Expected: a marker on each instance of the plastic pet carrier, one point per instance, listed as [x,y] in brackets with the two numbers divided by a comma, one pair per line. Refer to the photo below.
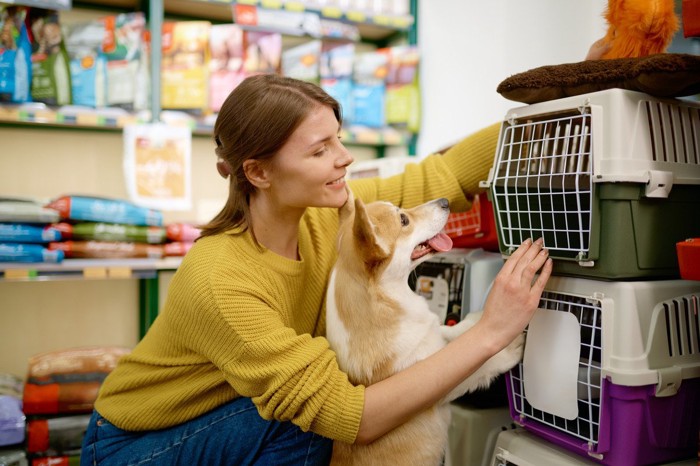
[456,282]
[475,228]
[611,370]
[610,180]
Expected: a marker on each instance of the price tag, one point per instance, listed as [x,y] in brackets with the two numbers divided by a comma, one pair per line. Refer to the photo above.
[119,272]
[18,274]
[95,272]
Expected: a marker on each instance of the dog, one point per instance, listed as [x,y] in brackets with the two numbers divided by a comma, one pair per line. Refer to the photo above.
[378,326]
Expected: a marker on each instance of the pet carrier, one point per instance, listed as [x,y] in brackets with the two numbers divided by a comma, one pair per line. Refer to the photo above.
[609,180]
[473,433]
[456,282]
[611,370]
[517,447]
[475,228]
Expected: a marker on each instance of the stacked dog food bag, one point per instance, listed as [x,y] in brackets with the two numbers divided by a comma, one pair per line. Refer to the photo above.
[181,237]
[59,394]
[97,227]
[26,231]
[611,181]
[12,421]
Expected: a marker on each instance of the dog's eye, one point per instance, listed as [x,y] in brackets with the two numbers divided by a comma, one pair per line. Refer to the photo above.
[404,220]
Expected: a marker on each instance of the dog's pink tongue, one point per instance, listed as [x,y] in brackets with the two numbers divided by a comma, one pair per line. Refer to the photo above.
[440,242]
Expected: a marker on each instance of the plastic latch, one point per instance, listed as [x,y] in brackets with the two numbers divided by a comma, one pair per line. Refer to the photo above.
[670,379]
[659,184]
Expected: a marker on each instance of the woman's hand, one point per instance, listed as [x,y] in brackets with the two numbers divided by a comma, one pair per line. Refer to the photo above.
[516,292]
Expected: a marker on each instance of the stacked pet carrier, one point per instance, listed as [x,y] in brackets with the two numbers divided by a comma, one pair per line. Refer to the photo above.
[611,181]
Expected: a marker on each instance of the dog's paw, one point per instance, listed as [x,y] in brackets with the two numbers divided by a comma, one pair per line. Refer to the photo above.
[509,356]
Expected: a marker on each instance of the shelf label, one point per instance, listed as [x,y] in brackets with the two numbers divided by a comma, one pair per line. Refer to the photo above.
[271,4]
[95,272]
[294,6]
[332,12]
[356,16]
[119,272]
[20,274]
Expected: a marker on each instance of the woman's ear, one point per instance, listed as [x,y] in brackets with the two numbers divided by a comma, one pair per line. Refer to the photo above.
[256,173]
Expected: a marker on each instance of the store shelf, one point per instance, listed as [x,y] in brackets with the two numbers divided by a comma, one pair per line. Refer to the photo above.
[91,269]
[71,117]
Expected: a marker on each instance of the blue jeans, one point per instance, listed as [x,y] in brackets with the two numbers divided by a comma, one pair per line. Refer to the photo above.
[232,434]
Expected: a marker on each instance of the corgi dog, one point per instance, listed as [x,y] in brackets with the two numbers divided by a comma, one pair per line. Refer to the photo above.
[378,326]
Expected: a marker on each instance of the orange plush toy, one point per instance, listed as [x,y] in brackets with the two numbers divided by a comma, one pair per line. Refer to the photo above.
[637,28]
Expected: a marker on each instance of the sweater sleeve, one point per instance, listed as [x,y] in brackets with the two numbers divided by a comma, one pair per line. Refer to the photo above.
[455,175]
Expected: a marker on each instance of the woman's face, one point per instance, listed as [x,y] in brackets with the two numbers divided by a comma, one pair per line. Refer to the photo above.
[309,170]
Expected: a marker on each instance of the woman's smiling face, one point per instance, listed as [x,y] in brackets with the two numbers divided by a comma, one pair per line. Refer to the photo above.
[309,170]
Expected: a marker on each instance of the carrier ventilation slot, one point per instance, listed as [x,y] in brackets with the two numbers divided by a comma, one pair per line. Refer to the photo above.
[674,132]
[586,426]
[682,326]
[542,184]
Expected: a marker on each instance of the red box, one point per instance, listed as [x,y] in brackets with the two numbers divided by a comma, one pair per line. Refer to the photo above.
[689,258]
[691,18]
[475,228]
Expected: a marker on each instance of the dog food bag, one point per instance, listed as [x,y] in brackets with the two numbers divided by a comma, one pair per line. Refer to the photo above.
[11,420]
[57,435]
[14,210]
[18,252]
[27,233]
[50,64]
[15,56]
[124,49]
[185,65]
[96,209]
[67,381]
[302,62]
[177,248]
[182,232]
[225,62]
[107,250]
[88,65]
[111,232]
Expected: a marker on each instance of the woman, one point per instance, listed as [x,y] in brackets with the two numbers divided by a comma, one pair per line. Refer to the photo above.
[235,369]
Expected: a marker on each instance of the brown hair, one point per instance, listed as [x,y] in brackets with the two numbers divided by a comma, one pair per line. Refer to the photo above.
[254,122]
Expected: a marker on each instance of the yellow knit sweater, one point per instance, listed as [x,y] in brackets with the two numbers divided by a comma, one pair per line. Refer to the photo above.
[240,321]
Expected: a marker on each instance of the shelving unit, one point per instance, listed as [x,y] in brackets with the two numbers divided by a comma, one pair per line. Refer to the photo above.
[52,151]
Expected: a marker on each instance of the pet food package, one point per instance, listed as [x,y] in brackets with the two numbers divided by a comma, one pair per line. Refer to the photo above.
[182,232]
[88,65]
[263,52]
[335,70]
[402,92]
[185,65]
[20,210]
[177,248]
[303,61]
[369,89]
[51,82]
[123,48]
[56,435]
[27,233]
[107,250]
[96,209]
[10,385]
[15,56]
[110,232]
[225,63]
[12,421]
[67,381]
[18,252]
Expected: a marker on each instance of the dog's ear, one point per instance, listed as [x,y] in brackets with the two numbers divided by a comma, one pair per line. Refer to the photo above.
[369,245]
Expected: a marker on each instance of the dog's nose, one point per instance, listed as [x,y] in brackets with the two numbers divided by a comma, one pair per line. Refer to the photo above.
[444,203]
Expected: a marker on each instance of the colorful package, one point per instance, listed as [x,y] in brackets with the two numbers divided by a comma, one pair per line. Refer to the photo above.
[15,56]
[88,65]
[123,48]
[15,210]
[369,89]
[177,248]
[182,232]
[96,209]
[225,63]
[18,252]
[337,60]
[110,232]
[263,52]
[185,65]
[402,93]
[26,233]
[51,82]
[67,381]
[341,90]
[12,421]
[107,250]
[57,435]
[302,62]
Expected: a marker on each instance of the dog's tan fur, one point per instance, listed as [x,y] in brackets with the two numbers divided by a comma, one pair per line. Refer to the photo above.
[378,326]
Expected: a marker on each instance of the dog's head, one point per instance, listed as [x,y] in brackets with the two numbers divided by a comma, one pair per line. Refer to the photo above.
[387,240]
